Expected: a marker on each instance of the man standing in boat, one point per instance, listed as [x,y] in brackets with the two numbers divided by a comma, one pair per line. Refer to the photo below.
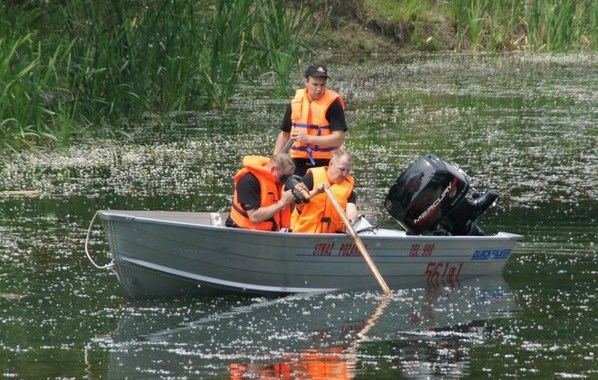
[259,202]
[319,215]
[314,122]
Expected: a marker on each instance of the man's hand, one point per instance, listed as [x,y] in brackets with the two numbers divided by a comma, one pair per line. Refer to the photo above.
[318,190]
[302,136]
[336,138]
[287,198]
[265,213]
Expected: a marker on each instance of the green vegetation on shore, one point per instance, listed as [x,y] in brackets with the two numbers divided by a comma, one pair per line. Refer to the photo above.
[74,67]
[535,26]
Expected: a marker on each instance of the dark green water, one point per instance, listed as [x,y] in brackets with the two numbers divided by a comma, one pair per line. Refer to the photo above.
[524,126]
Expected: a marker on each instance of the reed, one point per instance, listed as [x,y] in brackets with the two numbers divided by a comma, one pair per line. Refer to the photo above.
[560,25]
[277,35]
[550,24]
[537,25]
[30,97]
[591,39]
[498,28]
[462,13]
[479,24]
[475,18]
[112,62]
[227,51]
[109,63]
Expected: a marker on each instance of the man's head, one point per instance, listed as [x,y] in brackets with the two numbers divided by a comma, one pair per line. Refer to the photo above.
[282,166]
[340,166]
[316,77]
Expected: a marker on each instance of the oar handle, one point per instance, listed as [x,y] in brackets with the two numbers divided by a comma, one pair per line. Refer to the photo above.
[287,146]
[358,242]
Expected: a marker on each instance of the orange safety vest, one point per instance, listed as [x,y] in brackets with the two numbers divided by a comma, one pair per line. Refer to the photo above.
[270,193]
[319,215]
[312,365]
[311,116]
[321,365]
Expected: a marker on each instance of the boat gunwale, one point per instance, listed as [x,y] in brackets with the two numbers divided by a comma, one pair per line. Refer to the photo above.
[108,215]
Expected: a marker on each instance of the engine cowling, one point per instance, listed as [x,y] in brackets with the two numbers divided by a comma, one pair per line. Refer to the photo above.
[429,197]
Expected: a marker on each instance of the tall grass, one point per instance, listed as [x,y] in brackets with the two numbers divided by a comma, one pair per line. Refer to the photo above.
[475,18]
[560,25]
[227,54]
[70,67]
[31,90]
[282,37]
[159,55]
[537,25]
[111,62]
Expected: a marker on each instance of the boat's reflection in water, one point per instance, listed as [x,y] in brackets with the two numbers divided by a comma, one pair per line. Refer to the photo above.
[420,332]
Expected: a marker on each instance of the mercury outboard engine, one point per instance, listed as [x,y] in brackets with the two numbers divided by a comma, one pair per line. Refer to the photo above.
[429,199]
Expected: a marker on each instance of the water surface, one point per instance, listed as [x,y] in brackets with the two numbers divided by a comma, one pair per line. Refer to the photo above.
[524,126]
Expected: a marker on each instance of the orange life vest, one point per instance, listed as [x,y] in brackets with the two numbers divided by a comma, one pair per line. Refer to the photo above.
[310,116]
[312,364]
[321,365]
[270,193]
[319,215]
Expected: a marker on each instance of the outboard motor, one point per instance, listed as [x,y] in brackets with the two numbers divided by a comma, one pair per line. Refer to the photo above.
[429,199]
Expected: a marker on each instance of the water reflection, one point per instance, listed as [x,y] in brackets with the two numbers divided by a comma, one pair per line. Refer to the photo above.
[419,332]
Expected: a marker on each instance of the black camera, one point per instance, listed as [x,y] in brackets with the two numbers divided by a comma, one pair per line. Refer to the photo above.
[292,183]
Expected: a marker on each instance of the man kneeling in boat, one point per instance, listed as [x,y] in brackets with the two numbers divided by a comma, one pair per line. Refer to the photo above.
[259,202]
[319,215]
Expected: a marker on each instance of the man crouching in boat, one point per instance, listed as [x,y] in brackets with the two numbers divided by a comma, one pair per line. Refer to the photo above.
[319,215]
[259,202]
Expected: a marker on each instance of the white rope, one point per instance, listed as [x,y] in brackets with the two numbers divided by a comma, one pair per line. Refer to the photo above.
[107,266]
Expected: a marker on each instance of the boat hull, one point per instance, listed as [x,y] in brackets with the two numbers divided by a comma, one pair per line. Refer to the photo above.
[182,253]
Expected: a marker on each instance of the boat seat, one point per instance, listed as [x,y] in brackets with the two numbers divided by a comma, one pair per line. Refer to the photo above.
[216,219]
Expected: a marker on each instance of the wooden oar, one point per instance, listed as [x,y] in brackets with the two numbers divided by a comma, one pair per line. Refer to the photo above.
[287,146]
[358,242]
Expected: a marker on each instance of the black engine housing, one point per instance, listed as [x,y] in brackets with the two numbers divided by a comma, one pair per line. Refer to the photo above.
[430,198]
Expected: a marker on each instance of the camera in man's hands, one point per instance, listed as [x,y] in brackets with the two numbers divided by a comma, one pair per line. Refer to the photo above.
[293,183]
